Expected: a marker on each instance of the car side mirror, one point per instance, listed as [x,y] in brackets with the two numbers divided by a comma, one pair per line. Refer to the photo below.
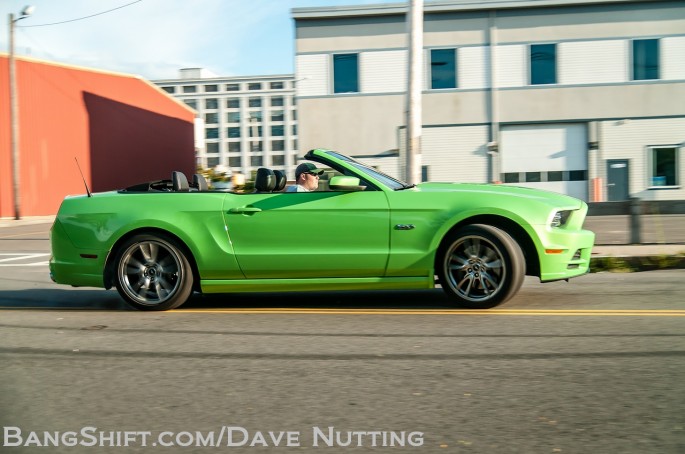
[345,183]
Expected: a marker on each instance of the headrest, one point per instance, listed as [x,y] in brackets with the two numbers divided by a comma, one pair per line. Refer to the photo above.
[265,180]
[281,180]
[200,182]
[179,181]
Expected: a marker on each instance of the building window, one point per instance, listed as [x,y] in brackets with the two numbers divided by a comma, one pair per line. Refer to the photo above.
[645,59]
[233,103]
[211,103]
[191,103]
[255,102]
[189,89]
[277,85]
[211,88]
[277,145]
[254,86]
[256,161]
[277,131]
[664,166]
[232,87]
[213,147]
[212,133]
[233,117]
[255,131]
[256,116]
[169,89]
[277,115]
[278,160]
[511,177]
[345,73]
[212,162]
[555,175]
[277,101]
[234,147]
[577,175]
[233,132]
[256,146]
[443,68]
[235,162]
[533,177]
[543,64]
[294,130]
[212,118]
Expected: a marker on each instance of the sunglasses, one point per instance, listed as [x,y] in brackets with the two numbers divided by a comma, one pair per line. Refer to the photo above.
[313,174]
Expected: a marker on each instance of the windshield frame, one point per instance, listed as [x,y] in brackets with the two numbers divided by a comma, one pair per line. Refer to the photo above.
[386,180]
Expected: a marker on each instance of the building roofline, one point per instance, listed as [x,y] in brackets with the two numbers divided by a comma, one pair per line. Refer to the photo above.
[99,71]
[442,6]
[72,66]
[224,79]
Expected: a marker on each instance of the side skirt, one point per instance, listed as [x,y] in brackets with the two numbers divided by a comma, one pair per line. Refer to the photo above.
[318,284]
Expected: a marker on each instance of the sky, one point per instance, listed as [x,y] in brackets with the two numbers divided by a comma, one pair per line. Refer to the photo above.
[156,38]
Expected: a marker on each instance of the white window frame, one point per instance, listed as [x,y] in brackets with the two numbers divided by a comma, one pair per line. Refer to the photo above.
[650,168]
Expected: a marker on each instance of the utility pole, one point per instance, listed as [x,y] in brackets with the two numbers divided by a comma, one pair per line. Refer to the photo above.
[415,81]
[14,122]
[14,110]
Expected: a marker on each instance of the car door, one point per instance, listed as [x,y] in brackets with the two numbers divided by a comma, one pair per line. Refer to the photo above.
[309,234]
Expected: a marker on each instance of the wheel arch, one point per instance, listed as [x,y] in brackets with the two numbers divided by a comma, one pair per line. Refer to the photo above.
[108,272]
[514,229]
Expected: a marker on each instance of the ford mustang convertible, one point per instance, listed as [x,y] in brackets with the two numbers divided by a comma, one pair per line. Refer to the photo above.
[158,242]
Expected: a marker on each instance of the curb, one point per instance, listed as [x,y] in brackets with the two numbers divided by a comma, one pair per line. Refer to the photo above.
[630,264]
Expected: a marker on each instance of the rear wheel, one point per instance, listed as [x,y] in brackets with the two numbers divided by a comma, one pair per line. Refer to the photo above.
[152,273]
[480,266]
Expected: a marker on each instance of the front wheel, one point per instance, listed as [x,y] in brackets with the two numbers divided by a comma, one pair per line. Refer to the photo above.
[480,266]
[152,273]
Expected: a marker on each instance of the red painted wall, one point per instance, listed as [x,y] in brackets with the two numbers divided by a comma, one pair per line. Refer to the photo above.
[122,129]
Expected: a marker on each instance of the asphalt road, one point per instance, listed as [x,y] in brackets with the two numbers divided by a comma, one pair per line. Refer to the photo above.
[590,366]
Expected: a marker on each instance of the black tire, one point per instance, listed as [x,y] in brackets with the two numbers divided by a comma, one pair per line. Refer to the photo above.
[480,266]
[151,273]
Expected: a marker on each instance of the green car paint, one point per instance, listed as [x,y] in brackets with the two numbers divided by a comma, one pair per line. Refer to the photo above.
[369,231]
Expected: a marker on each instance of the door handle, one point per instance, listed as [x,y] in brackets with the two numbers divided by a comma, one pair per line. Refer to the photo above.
[243,210]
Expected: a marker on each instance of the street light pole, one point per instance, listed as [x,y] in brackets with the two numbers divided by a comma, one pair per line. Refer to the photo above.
[14,109]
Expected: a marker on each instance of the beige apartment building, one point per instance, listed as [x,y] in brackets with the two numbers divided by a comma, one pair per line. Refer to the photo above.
[242,123]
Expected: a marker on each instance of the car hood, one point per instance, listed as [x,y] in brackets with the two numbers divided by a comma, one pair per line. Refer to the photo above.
[503,191]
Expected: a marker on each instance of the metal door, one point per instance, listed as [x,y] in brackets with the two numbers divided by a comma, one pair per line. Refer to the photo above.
[617,180]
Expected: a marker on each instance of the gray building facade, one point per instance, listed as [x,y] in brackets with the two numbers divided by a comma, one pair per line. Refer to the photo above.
[585,98]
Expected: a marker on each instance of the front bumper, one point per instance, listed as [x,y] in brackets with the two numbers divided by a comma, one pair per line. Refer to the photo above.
[566,254]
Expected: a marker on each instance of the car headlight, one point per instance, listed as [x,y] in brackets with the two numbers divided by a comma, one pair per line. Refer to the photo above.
[560,218]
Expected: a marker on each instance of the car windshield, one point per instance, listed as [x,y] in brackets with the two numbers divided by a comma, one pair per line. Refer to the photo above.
[387,180]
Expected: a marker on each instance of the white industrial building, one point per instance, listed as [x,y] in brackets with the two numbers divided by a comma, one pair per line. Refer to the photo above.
[581,97]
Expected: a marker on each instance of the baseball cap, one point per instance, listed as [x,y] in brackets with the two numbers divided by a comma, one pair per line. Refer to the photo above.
[307,167]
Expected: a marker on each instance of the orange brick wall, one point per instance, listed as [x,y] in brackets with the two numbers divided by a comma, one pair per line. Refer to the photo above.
[122,129]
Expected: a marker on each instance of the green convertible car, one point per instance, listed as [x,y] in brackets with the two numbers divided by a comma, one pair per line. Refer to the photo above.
[159,242]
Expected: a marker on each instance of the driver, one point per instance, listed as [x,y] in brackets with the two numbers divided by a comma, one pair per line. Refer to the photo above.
[306,178]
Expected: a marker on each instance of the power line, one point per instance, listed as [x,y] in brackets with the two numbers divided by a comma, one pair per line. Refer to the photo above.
[82,18]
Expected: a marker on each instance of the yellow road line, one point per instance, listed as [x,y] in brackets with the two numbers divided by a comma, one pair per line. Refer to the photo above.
[339,311]
[596,313]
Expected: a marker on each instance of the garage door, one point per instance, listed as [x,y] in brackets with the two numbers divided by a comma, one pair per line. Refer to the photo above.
[551,157]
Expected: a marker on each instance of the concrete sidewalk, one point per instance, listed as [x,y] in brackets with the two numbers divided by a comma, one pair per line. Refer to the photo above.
[30,220]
